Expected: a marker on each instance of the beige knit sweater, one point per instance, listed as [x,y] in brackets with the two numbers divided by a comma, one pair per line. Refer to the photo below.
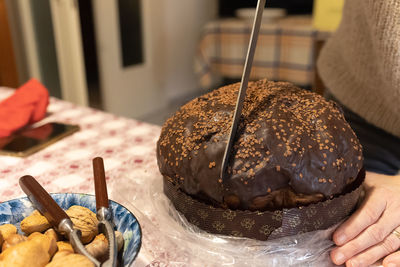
[360,64]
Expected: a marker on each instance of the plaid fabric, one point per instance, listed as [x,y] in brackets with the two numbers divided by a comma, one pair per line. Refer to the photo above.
[285,51]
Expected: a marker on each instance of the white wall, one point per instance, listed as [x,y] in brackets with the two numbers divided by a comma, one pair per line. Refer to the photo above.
[135,90]
[184,20]
[171,29]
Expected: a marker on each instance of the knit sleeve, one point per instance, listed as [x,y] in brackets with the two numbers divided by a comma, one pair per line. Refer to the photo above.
[360,63]
[383,18]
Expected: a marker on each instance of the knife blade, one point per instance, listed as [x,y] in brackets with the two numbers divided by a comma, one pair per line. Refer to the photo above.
[243,86]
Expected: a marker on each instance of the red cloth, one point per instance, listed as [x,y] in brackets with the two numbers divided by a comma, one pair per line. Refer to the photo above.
[27,105]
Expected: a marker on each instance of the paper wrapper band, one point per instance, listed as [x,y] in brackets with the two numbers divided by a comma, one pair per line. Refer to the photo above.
[267,224]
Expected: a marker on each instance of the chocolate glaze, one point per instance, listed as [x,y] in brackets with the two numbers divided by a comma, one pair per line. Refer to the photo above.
[292,147]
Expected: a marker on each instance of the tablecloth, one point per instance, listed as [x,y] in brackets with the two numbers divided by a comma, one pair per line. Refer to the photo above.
[127,147]
[285,50]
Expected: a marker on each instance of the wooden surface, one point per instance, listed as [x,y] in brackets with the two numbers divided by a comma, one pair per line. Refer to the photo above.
[8,70]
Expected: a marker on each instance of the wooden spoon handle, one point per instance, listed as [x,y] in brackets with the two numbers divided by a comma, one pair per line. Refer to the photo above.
[42,200]
[100,185]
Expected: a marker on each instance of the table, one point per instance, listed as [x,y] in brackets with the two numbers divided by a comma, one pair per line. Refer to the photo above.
[285,50]
[127,147]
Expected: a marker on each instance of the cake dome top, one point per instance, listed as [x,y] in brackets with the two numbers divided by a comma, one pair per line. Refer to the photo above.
[287,138]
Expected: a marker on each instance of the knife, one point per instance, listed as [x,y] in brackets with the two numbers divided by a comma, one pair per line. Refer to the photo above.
[243,86]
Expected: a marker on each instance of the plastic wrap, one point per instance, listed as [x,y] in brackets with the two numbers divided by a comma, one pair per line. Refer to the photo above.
[175,242]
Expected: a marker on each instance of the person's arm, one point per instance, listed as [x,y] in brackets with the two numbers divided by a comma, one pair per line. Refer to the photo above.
[367,235]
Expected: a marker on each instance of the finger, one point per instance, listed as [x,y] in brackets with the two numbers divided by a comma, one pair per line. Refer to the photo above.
[367,214]
[392,260]
[390,244]
[371,236]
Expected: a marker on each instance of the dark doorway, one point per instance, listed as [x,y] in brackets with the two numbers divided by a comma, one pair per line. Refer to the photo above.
[228,7]
[90,53]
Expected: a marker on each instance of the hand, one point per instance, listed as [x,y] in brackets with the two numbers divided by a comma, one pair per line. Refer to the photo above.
[367,235]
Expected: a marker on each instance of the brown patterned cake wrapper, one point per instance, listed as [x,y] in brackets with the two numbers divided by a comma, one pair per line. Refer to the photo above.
[267,224]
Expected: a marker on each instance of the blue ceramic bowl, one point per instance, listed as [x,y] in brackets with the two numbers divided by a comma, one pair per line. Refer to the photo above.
[13,211]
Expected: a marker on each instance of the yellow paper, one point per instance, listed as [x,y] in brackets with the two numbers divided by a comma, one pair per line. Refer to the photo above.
[327,14]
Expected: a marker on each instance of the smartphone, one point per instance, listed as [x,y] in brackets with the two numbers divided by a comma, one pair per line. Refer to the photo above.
[30,140]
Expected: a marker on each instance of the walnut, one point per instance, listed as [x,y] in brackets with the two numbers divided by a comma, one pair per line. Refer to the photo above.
[35,222]
[84,220]
[37,248]
[98,248]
